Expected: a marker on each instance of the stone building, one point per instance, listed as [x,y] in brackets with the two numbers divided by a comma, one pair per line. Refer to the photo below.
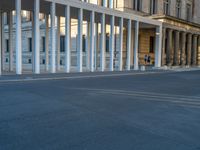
[181,28]
[98,35]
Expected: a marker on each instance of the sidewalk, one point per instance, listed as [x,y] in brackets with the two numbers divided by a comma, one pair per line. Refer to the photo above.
[58,76]
[28,76]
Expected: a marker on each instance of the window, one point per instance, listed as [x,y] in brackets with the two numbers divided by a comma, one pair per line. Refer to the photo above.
[29,61]
[26,16]
[7,19]
[62,43]
[166,7]
[41,16]
[152,44]
[153,6]
[43,44]
[30,44]
[7,45]
[84,43]
[43,61]
[137,5]
[178,8]
[107,42]
[188,12]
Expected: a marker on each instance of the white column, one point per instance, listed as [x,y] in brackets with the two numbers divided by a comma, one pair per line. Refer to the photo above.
[36,36]
[158,51]
[33,45]
[105,3]
[47,43]
[112,40]
[58,43]
[92,35]
[53,38]
[110,3]
[102,57]
[80,36]
[67,39]
[18,38]
[3,42]
[136,43]
[121,44]
[95,45]
[87,45]
[0,41]
[10,41]
[128,61]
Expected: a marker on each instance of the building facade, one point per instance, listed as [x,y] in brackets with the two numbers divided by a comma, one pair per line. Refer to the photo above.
[97,35]
[181,27]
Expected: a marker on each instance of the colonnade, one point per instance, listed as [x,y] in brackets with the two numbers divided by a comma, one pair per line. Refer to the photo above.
[180,48]
[130,22]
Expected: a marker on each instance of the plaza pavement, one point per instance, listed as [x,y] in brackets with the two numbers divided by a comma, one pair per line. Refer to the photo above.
[153,110]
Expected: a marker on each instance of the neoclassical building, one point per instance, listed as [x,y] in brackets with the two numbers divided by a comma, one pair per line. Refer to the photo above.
[97,35]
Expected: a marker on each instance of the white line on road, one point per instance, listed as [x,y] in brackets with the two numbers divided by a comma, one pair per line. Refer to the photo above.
[150,94]
[177,99]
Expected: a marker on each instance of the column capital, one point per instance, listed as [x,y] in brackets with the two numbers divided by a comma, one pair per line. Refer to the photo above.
[183,33]
[176,31]
[195,35]
[169,29]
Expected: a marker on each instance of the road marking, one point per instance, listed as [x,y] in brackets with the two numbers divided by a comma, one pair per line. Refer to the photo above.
[159,99]
[151,94]
[176,99]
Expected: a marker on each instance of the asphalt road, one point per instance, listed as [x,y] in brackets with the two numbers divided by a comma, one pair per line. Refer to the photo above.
[158,111]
